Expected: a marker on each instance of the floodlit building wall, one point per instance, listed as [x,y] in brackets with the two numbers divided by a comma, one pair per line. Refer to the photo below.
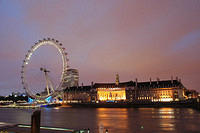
[111,94]
[162,91]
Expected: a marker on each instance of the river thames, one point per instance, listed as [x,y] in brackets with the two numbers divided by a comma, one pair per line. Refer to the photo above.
[116,120]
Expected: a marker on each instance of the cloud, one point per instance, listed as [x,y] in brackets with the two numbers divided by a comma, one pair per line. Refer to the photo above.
[187,41]
[134,38]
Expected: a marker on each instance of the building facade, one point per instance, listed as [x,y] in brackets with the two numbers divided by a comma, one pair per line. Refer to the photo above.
[79,94]
[71,78]
[160,91]
[152,91]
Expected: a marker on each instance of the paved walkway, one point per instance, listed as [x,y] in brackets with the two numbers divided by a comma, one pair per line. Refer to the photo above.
[18,128]
[28,130]
[14,128]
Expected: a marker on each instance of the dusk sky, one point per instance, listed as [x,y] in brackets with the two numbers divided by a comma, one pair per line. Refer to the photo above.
[134,38]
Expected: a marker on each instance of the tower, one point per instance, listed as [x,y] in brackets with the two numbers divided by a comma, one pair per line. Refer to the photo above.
[117,79]
[71,78]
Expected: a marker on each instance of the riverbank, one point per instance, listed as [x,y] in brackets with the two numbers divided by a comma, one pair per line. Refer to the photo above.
[193,103]
[30,106]
[176,104]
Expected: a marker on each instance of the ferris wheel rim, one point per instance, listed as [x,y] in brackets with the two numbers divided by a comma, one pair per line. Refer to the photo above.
[37,45]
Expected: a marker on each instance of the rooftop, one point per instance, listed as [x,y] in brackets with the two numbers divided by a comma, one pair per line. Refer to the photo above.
[140,85]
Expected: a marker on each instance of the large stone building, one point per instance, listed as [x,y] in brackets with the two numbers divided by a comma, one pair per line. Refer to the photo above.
[164,91]
[152,91]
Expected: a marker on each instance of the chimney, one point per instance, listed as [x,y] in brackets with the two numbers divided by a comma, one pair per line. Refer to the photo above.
[82,85]
[177,78]
[150,80]
[136,82]
[172,79]
[158,80]
[92,83]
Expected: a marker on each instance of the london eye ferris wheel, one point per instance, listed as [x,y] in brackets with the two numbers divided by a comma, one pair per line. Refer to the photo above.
[48,85]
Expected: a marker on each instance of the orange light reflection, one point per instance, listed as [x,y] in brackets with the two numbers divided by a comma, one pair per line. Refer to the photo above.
[167,119]
[109,120]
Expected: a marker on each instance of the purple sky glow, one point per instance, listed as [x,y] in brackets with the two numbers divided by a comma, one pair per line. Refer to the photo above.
[135,38]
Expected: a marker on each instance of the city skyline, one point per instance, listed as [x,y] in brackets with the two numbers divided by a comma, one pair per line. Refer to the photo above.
[136,39]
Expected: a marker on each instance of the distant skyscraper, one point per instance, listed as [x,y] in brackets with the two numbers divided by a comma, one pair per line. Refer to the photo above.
[71,78]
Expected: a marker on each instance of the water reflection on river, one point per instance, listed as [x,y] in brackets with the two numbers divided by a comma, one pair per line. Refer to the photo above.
[116,120]
[113,117]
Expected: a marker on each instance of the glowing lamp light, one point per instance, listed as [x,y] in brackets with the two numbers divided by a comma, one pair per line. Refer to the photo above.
[48,99]
[30,100]
[166,99]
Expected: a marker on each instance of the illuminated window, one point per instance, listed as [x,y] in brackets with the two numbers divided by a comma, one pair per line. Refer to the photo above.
[106,94]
